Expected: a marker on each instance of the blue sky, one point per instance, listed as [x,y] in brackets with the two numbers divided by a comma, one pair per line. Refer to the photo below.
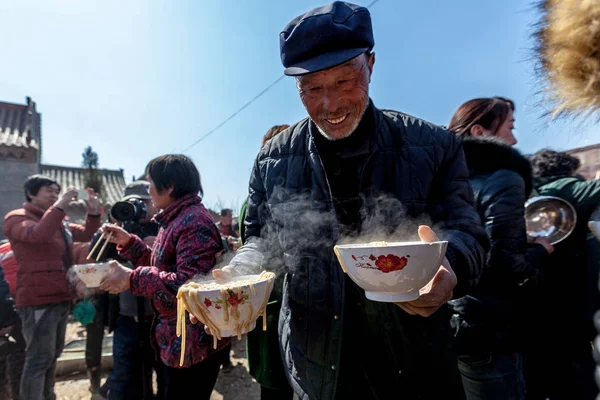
[137,79]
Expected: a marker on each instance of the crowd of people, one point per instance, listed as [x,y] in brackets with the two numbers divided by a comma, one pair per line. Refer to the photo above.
[504,317]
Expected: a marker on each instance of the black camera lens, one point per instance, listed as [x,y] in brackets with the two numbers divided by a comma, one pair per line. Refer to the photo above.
[123,211]
[130,210]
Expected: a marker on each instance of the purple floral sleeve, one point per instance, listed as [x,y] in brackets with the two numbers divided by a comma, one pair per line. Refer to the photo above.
[195,252]
[136,251]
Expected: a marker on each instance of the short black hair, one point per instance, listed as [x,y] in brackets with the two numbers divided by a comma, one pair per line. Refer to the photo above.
[34,183]
[226,212]
[176,171]
[548,162]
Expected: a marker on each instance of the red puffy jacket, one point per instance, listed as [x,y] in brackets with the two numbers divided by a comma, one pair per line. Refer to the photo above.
[39,242]
[9,265]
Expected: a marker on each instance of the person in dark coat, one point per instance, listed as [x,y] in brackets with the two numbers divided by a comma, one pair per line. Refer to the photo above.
[486,323]
[565,328]
[352,170]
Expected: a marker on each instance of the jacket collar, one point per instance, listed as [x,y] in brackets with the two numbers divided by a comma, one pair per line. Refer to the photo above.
[487,155]
[167,216]
[38,212]
[546,180]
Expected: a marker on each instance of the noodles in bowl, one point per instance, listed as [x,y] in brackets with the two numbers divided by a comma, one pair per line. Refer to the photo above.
[228,309]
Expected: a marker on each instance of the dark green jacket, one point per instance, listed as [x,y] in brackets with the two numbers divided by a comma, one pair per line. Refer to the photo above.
[573,268]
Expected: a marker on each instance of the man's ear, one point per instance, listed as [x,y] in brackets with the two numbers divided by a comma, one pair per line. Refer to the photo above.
[371,63]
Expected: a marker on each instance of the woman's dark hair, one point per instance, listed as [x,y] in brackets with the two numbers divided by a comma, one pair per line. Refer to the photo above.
[490,113]
[272,132]
[548,162]
[177,171]
[34,183]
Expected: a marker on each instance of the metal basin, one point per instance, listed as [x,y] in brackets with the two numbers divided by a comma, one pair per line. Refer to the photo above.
[549,217]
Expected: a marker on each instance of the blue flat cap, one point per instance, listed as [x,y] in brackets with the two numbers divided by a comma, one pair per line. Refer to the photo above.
[325,37]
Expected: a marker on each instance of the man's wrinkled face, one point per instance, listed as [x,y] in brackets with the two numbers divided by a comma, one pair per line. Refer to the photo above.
[337,98]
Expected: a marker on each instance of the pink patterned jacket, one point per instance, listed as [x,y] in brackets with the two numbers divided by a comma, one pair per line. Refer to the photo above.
[187,245]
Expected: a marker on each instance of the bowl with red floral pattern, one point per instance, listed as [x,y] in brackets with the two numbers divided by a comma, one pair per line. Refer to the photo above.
[391,271]
[92,274]
[228,308]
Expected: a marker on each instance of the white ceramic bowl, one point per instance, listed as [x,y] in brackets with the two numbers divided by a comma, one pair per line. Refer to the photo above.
[391,271]
[234,312]
[92,274]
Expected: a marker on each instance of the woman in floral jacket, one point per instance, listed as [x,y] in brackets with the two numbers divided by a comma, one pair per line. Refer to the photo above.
[187,245]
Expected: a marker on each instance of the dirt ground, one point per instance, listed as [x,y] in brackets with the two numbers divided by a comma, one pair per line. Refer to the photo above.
[234,383]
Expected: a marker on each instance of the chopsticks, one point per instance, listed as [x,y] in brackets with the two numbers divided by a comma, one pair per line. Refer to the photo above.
[106,239]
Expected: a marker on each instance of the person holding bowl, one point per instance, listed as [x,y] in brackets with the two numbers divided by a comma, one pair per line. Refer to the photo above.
[187,245]
[327,178]
[42,240]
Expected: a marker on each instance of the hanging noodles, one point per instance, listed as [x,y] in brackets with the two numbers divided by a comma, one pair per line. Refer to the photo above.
[188,299]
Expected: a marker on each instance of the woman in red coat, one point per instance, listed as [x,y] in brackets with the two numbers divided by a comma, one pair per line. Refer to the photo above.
[187,245]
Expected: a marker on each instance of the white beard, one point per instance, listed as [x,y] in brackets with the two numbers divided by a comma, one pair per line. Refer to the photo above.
[350,131]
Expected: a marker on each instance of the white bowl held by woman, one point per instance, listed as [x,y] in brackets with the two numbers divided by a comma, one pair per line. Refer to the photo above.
[92,274]
[228,309]
[394,271]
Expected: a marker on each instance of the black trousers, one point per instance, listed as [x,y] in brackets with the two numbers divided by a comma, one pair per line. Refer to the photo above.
[198,379]
[95,335]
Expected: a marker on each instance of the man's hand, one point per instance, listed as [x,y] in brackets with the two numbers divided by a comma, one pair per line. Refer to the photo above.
[117,280]
[69,196]
[221,276]
[438,291]
[93,203]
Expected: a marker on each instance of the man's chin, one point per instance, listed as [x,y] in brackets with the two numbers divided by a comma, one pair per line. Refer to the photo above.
[335,136]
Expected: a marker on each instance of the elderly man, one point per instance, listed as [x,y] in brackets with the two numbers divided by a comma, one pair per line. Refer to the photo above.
[351,170]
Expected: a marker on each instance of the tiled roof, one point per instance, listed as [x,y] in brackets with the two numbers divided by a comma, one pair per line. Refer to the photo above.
[584,149]
[113,181]
[19,125]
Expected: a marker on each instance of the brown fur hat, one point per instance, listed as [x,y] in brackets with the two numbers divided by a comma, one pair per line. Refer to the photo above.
[568,51]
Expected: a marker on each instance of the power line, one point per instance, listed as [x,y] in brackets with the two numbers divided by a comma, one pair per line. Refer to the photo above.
[242,108]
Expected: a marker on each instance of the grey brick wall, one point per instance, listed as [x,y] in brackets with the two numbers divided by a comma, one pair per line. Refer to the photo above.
[12,177]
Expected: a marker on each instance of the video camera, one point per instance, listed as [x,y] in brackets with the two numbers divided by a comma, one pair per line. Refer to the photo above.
[130,212]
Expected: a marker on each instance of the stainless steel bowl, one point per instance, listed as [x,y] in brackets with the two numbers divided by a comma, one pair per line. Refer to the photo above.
[550,217]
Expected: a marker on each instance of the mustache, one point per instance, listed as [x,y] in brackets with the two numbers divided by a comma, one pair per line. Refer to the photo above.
[337,114]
